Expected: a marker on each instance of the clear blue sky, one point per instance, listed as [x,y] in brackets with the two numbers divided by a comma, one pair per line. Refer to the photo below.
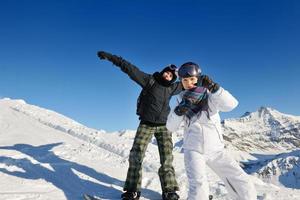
[48,52]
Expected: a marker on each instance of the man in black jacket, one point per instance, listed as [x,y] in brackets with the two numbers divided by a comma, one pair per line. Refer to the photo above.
[153,109]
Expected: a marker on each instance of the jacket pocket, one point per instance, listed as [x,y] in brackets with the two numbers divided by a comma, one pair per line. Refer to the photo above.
[220,133]
[194,140]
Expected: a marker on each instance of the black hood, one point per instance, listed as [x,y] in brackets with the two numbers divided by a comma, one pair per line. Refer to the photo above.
[159,78]
[172,70]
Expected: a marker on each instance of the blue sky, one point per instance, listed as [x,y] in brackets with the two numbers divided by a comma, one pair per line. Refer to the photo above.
[48,52]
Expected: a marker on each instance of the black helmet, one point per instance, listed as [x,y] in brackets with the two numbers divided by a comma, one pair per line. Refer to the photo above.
[189,69]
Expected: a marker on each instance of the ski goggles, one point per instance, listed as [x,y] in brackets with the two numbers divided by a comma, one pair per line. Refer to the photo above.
[189,70]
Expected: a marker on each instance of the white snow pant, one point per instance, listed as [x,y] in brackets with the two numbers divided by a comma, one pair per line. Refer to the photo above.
[237,182]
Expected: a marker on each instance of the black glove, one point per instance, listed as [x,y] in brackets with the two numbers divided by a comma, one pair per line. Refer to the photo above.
[116,60]
[104,55]
[183,107]
[208,83]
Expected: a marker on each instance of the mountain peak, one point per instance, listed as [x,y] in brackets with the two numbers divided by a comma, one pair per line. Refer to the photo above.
[265,109]
[262,112]
[264,129]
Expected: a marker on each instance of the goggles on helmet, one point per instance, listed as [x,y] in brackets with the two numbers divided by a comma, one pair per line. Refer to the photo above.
[188,70]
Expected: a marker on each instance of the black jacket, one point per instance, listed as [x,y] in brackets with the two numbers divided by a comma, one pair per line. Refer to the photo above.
[155,104]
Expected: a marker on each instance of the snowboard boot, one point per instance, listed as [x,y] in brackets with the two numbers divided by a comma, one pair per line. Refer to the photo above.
[170,196]
[128,195]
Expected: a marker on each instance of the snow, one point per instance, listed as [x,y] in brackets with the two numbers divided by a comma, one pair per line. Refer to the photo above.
[266,129]
[45,155]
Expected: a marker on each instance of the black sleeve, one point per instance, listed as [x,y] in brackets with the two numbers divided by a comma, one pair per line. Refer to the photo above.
[131,70]
[177,88]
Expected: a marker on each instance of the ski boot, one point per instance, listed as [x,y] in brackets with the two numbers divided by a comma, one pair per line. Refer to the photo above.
[170,196]
[128,195]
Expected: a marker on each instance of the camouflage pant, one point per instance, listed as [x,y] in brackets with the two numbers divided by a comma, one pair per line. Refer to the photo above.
[165,146]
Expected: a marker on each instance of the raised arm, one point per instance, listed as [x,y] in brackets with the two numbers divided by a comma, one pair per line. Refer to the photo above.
[132,71]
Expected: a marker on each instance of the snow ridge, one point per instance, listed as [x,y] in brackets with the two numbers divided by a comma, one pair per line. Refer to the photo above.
[263,130]
[108,141]
[60,122]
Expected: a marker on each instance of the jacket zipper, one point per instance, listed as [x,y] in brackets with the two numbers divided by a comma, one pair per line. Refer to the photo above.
[164,103]
[231,186]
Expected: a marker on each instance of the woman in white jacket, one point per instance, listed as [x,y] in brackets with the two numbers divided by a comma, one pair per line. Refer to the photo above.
[203,143]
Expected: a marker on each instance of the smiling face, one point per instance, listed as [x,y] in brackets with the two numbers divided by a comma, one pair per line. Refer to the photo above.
[167,75]
[189,82]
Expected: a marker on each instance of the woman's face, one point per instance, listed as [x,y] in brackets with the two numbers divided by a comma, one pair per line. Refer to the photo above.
[189,82]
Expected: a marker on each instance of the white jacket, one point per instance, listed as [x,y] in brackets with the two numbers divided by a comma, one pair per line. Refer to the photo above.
[203,133]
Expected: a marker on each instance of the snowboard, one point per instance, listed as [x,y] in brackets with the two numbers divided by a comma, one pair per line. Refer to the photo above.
[90,197]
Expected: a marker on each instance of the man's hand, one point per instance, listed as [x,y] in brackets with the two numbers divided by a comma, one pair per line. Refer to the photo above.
[104,55]
[116,60]
[207,82]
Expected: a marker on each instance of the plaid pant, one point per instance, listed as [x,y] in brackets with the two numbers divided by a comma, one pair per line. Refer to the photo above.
[165,146]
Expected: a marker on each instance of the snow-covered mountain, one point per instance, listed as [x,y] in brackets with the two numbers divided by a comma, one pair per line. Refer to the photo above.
[273,139]
[266,130]
[45,155]
[282,169]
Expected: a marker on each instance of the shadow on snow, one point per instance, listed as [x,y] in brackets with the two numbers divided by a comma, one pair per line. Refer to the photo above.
[63,175]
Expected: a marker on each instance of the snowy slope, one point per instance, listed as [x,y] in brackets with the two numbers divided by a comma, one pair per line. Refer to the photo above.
[45,155]
[281,170]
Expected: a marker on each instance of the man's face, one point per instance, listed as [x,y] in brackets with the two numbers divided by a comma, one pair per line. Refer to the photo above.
[167,76]
[189,82]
